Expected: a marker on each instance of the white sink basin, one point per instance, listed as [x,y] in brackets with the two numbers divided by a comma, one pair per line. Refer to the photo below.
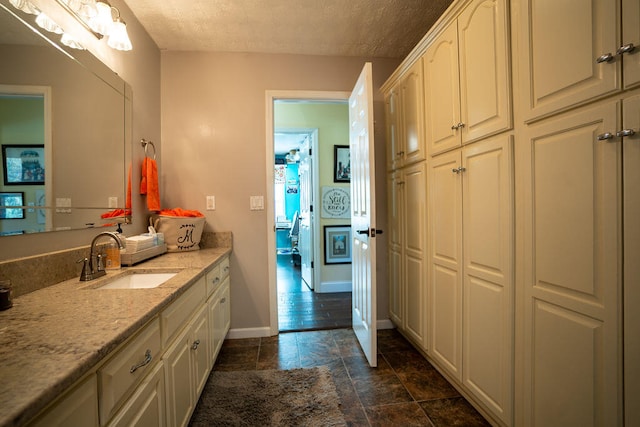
[138,281]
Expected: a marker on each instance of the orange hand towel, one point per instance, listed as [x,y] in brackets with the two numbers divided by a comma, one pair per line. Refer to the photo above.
[149,184]
[181,212]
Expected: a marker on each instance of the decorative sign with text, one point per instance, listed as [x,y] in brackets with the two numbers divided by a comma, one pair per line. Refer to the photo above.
[336,202]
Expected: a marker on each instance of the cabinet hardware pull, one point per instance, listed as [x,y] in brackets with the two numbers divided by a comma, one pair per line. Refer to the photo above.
[216,280]
[607,57]
[400,153]
[223,300]
[458,126]
[195,345]
[226,268]
[625,132]
[146,361]
[605,136]
[627,48]
[458,169]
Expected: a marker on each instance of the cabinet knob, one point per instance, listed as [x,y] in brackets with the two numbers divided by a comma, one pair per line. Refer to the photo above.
[195,345]
[605,136]
[625,132]
[627,48]
[607,57]
[459,169]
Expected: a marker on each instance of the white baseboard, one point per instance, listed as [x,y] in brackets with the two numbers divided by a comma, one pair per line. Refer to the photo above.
[235,334]
[324,287]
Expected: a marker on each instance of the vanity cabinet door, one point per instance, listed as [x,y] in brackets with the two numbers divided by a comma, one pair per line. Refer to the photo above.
[147,405]
[78,408]
[180,383]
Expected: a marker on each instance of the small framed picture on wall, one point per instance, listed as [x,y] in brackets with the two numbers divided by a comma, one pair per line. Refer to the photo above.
[337,244]
[341,163]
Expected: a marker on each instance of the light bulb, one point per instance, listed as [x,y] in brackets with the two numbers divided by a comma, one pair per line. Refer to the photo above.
[119,39]
[103,21]
[48,24]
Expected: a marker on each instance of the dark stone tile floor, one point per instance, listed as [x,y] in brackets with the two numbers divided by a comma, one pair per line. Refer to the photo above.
[404,390]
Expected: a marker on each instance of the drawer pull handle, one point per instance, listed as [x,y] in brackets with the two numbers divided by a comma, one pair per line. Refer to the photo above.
[627,48]
[625,132]
[605,136]
[195,345]
[223,300]
[146,361]
[226,268]
[607,57]
[216,280]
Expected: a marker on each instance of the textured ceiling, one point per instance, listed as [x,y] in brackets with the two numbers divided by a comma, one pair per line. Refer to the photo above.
[369,28]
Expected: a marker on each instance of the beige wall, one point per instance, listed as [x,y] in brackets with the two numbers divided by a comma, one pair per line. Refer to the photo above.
[214,143]
[141,69]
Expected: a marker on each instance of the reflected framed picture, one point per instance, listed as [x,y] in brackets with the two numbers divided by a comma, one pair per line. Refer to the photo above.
[23,164]
[337,244]
[341,163]
[11,199]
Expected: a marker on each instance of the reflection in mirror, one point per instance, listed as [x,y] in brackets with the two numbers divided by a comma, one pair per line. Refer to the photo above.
[70,114]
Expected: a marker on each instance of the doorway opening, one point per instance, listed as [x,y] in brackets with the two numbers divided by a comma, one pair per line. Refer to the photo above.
[309,294]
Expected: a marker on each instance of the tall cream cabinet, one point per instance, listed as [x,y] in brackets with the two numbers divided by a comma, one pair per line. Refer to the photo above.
[407,254]
[573,52]
[467,79]
[471,270]
[404,111]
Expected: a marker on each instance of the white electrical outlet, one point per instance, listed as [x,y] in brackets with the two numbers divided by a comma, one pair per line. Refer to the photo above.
[211,203]
[113,202]
[256,203]
[63,205]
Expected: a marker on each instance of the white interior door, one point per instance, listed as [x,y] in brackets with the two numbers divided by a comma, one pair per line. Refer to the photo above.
[363,218]
[305,236]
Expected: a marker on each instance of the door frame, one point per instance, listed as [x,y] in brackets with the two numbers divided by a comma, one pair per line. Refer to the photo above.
[270,97]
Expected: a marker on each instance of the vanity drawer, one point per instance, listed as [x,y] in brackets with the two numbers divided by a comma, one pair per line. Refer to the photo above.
[213,279]
[176,316]
[125,369]
[224,268]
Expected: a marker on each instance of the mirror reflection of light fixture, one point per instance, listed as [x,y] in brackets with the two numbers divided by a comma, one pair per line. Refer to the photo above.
[293,156]
[25,6]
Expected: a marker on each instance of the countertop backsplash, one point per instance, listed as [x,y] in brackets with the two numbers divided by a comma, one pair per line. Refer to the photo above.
[40,271]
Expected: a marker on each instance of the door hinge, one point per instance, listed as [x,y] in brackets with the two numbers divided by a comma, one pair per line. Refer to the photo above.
[310,208]
[309,151]
[311,264]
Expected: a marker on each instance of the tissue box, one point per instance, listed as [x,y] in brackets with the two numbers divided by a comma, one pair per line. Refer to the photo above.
[181,234]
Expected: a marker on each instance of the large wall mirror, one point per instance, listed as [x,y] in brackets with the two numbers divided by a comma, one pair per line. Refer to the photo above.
[65,134]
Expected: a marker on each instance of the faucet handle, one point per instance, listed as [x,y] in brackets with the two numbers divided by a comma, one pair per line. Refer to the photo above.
[86,270]
[99,264]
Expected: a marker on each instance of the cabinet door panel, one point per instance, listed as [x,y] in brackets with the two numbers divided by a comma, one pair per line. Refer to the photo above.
[631,34]
[179,382]
[392,113]
[200,342]
[412,115]
[442,92]
[561,41]
[631,184]
[147,406]
[395,288]
[414,250]
[445,237]
[488,273]
[572,227]
[485,96]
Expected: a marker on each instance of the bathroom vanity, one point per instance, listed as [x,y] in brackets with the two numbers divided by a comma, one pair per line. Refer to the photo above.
[78,354]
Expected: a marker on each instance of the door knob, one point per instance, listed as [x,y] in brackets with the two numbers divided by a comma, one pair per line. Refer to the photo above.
[370,232]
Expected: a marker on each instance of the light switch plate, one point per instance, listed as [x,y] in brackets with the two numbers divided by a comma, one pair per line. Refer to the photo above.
[211,203]
[256,203]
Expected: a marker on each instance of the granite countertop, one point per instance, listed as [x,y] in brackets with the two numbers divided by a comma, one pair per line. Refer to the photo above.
[50,338]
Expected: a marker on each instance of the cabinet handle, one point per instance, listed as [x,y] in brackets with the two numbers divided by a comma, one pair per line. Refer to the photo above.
[459,169]
[146,361]
[226,268]
[625,132]
[223,300]
[607,57]
[605,136]
[216,280]
[627,48]
[400,153]
[195,345]
[458,126]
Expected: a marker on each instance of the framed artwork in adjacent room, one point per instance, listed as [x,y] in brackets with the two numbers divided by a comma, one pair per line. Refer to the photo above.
[337,244]
[23,164]
[11,199]
[341,163]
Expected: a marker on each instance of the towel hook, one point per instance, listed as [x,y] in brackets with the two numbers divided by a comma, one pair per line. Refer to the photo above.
[145,144]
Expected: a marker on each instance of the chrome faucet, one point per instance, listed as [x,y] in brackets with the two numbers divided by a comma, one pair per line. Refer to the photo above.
[92,267]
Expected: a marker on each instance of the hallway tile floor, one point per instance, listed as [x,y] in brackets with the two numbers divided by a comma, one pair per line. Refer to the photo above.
[404,390]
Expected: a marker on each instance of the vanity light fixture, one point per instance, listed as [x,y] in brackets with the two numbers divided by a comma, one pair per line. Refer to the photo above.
[25,6]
